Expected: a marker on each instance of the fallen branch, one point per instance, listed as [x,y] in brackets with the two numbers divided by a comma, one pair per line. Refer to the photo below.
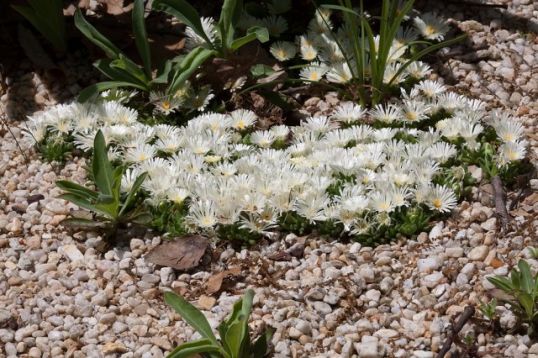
[468,312]
[500,201]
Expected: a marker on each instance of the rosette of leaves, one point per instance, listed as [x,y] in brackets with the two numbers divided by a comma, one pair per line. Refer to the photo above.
[234,334]
[124,72]
[521,288]
[112,209]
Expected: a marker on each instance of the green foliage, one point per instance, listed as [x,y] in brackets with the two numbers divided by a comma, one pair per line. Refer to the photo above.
[54,148]
[47,17]
[368,63]
[235,233]
[234,334]
[522,288]
[111,207]
[488,309]
[226,40]
[169,217]
[124,72]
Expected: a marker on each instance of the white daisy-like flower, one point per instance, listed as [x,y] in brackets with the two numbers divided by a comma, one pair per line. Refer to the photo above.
[386,114]
[177,195]
[242,119]
[430,26]
[512,151]
[441,198]
[281,132]
[283,50]
[418,69]
[431,89]
[262,139]
[313,73]
[196,40]
[140,153]
[415,111]
[202,214]
[275,24]
[348,112]
[340,73]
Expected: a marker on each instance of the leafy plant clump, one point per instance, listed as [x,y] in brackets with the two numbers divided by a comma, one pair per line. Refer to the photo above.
[522,289]
[167,90]
[369,175]
[366,66]
[234,342]
[111,207]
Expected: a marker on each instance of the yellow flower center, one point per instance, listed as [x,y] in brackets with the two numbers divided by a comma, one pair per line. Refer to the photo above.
[429,30]
[437,203]
[166,105]
[412,116]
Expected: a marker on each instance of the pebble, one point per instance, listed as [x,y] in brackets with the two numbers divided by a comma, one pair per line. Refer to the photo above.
[478,253]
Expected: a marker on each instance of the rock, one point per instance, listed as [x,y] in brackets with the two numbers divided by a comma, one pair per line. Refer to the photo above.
[428,264]
[423,354]
[368,349]
[489,225]
[71,252]
[386,333]
[454,252]
[373,295]
[436,231]
[478,253]
[113,347]
[432,279]
[206,302]
[294,333]
[322,307]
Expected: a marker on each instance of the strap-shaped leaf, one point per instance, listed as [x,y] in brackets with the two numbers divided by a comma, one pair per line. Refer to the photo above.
[259,348]
[256,32]
[237,330]
[76,189]
[101,167]
[83,223]
[85,204]
[125,64]
[95,36]
[190,349]
[502,283]
[162,76]
[229,16]
[132,193]
[188,66]
[527,281]
[191,315]
[93,91]
[141,36]
[48,18]
[184,12]
[117,73]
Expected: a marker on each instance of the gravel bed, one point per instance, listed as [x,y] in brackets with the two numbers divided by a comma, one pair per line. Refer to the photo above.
[59,296]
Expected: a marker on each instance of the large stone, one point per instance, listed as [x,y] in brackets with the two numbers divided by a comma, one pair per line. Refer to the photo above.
[478,253]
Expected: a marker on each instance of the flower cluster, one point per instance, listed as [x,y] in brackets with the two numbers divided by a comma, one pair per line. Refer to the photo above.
[355,168]
[329,51]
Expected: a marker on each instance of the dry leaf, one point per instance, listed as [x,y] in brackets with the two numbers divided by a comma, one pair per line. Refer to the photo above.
[214,283]
[183,253]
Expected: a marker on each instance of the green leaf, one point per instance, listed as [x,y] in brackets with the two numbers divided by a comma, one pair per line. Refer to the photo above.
[502,283]
[260,70]
[193,316]
[527,303]
[47,17]
[256,32]
[187,67]
[340,8]
[162,76]
[76,189]
[185,13]
[259,348]
[93,91]
[189,349]
[83,203]
[229,16]
[527,281]
[101,167]
[142,218]
[237,324]
[95,36]
[83,223]
[118,72]
[128,66]
[141,36]
[132,193]
[425,52]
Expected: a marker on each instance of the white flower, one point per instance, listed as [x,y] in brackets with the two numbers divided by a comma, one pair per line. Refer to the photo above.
[441,199]
[431,26]
[202,214]
[386,114]
[276,25]
[348,112]
[140,153]
[512,151]
[415,111]
[177,195]
[195,40]
[242,119]
[431,89]
[281,132]
[418,69]
[262,139]
[283,50]
[340,73]
[313,73]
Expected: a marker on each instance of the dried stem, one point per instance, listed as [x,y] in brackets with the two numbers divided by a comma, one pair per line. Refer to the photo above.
[500,201]
[468,312]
